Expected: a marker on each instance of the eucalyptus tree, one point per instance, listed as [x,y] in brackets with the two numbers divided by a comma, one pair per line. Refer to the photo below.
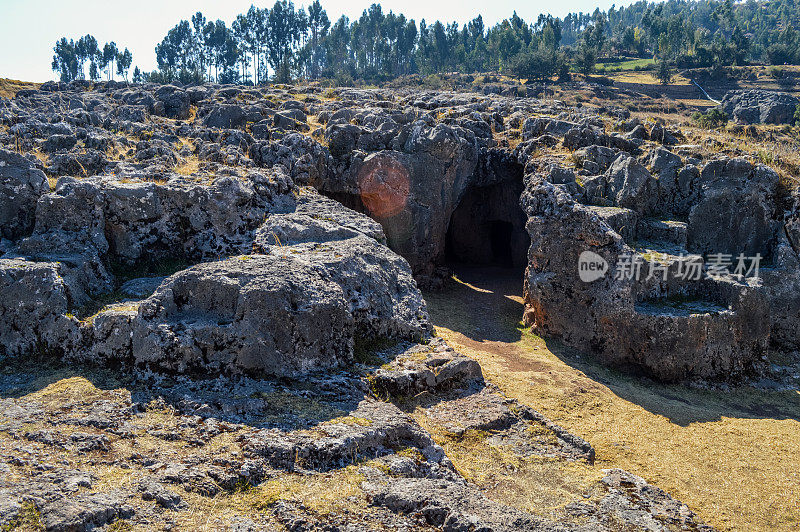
[318,25]
[286,30]
[65,61]
[198,46]
[241,30]
[109,57]
[124,61]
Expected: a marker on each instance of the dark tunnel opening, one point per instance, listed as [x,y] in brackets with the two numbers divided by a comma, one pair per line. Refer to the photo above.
[488,228]
[500,235]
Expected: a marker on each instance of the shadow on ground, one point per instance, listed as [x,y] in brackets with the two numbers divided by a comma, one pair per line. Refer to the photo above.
[478,302]
[484,305]
[257,402]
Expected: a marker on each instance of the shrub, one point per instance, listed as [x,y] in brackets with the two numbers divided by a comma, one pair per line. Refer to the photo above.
[603,80]
[664,73]
[712,119]
[540,64]
[433,81]
[585,60]
[779,54]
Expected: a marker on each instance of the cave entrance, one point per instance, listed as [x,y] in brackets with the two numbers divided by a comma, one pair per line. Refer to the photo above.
[488,228]
[500,235]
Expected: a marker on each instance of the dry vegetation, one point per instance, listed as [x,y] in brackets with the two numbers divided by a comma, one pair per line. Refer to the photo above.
[732,455]
[59,390]
[536,484]
[188,165]
[10,87]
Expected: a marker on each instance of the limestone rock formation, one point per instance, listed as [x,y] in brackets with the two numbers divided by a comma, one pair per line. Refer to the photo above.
[643,313]
[21,184]
[246,262]
[286,313]
[760,106]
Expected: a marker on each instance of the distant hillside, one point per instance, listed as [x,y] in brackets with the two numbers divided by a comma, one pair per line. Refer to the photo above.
[10,87]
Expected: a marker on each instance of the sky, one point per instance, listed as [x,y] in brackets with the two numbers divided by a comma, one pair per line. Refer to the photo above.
[30,28]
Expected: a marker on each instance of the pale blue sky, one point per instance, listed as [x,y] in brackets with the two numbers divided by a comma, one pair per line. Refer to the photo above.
[29,28]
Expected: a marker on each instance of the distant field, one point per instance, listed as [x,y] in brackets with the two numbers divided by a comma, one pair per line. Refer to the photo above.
[622,66]
[9,87]
[646,78]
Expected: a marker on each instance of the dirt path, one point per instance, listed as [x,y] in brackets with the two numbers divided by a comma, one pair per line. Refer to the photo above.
[732,456]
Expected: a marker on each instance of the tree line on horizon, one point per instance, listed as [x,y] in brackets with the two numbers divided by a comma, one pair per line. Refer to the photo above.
[70,58]
[285,43]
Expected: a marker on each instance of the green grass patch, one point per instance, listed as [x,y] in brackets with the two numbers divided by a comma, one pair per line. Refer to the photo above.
[623,66]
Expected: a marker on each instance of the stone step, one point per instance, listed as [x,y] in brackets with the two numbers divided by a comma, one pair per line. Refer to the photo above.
[684,297]
[623,221]
[664,252]
[675,338]
[669,232]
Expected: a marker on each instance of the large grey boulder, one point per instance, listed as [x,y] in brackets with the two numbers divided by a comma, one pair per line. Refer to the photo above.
[21,184]
[135,221]
[316,218]
[631,185]
[594,159]
[176,101]
[70,229]
[258,314]
[290,311]
[301,157]
[626,183]
[736,209]
[675,186]
[411,189]
[710,328]
[226,116]
[760,106]
[782,283]
[33,308]
[453,506]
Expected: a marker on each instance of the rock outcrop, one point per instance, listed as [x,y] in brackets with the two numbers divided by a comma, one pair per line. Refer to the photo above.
[294,310]
[21,185]
[760,106]
[664,296]
[305,277]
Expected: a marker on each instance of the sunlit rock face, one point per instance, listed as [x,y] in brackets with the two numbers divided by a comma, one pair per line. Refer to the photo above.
[663,304]
[372,191]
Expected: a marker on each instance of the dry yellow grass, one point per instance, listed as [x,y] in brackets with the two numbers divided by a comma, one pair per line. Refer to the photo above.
[204,513]
[188,165]
[42,156]
[645,77]
[732,456]
[68,389]
[10,87]
[539,485]
[775,146]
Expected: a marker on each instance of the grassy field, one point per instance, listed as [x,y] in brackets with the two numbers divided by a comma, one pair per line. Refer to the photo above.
[732,456]
[645,77]
[621,66]
[9,87]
